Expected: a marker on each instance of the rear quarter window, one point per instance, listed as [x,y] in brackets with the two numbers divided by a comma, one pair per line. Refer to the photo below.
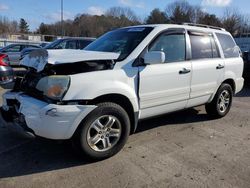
[229,47]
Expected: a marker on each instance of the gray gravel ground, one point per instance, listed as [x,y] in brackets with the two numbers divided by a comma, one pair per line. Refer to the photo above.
[183,149]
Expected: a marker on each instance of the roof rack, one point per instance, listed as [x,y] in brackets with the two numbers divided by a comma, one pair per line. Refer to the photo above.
[205,26]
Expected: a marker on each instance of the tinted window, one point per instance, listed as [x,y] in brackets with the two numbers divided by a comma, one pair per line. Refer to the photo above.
[84,43]
[122,41]
[201,46]
[71,44]
[228,45]
[33,47]
[173,45]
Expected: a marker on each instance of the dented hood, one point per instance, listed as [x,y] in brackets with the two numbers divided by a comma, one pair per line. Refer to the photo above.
[39,58]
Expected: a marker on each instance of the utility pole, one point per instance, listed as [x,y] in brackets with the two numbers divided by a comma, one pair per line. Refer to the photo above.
[62,28]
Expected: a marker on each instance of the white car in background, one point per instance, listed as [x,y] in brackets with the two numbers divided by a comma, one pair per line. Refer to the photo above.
[96,96]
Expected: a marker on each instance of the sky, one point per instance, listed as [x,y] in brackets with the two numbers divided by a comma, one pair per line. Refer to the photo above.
[48,11]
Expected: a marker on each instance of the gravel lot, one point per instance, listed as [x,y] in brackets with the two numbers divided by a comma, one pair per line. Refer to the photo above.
[183,149]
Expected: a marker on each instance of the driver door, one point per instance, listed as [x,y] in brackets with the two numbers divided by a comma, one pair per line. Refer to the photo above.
[165,87]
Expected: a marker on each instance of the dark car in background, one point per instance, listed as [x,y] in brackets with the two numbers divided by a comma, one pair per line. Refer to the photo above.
[65,43]
[246,72]
[14,52]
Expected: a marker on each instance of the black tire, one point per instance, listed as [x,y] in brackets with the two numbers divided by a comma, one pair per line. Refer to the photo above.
[214,109]
[81,140]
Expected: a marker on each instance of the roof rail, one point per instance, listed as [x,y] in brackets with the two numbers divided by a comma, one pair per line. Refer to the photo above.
[203,25]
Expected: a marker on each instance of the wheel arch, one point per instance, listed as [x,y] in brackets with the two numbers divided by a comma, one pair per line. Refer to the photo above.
[229,81]
[124,102]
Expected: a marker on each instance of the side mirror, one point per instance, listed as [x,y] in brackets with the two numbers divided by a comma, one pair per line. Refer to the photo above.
[154,57]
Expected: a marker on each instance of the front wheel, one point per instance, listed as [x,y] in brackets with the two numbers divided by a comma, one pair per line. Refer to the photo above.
[221,103]
[104,132]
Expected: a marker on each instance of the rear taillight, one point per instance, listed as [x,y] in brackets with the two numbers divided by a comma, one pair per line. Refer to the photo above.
[4,60]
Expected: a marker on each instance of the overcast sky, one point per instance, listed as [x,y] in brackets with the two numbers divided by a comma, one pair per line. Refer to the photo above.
[48,11]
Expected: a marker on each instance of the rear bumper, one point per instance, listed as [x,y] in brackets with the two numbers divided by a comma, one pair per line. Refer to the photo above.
[42,119]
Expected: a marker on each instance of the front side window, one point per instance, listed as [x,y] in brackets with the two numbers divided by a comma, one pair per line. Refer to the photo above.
[173,45]
[229,47]
[122,41]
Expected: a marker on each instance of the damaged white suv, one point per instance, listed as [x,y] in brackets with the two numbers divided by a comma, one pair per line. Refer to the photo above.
[96,96]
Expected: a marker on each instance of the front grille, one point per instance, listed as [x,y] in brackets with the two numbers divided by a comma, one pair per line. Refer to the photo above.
[28,84]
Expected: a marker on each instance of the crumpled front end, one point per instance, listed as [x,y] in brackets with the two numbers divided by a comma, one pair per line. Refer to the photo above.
[36,103]
[46,120]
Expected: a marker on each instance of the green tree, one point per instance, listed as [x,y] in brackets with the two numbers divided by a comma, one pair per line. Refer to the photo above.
[43,29]
[157,17]
[210,19]
[23,26]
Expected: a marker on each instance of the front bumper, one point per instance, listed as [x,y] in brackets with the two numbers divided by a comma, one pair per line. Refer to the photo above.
[42,119]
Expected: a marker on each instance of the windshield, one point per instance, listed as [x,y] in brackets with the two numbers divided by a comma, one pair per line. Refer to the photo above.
[54,44]
[122,41]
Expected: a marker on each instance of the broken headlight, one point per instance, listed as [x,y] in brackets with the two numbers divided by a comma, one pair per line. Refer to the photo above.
[54,87]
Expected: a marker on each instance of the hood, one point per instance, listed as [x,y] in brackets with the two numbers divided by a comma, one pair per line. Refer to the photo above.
[39,58]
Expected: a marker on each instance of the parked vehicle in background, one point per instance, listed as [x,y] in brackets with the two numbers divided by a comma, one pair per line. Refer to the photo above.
[6,71]
[246,72]
[70,43]
[43,44]
[65,43]
[14,52]
[96,96]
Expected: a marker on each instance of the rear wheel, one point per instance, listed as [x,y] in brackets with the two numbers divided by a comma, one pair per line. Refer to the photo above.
[221,103]
[104,131]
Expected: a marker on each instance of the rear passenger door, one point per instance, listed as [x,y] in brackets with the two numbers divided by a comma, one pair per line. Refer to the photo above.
[207,67]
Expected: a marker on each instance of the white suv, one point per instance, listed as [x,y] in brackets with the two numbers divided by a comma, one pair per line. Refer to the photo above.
[95,97]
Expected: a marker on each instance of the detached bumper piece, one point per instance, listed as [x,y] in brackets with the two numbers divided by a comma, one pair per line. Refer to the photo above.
[46,120]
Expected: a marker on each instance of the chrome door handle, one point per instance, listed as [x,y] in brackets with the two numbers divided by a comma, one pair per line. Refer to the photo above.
[184,71]
[220,66]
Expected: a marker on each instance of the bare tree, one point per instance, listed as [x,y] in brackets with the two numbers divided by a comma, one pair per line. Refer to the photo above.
[232,21]
[120,12]
[180,11]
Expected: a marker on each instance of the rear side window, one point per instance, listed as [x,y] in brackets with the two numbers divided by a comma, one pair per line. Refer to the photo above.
[15,48]
[84,43]
[173,45]
[203,46]
[228,45]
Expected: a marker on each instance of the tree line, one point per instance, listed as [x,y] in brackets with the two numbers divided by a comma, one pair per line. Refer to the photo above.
[93,26]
